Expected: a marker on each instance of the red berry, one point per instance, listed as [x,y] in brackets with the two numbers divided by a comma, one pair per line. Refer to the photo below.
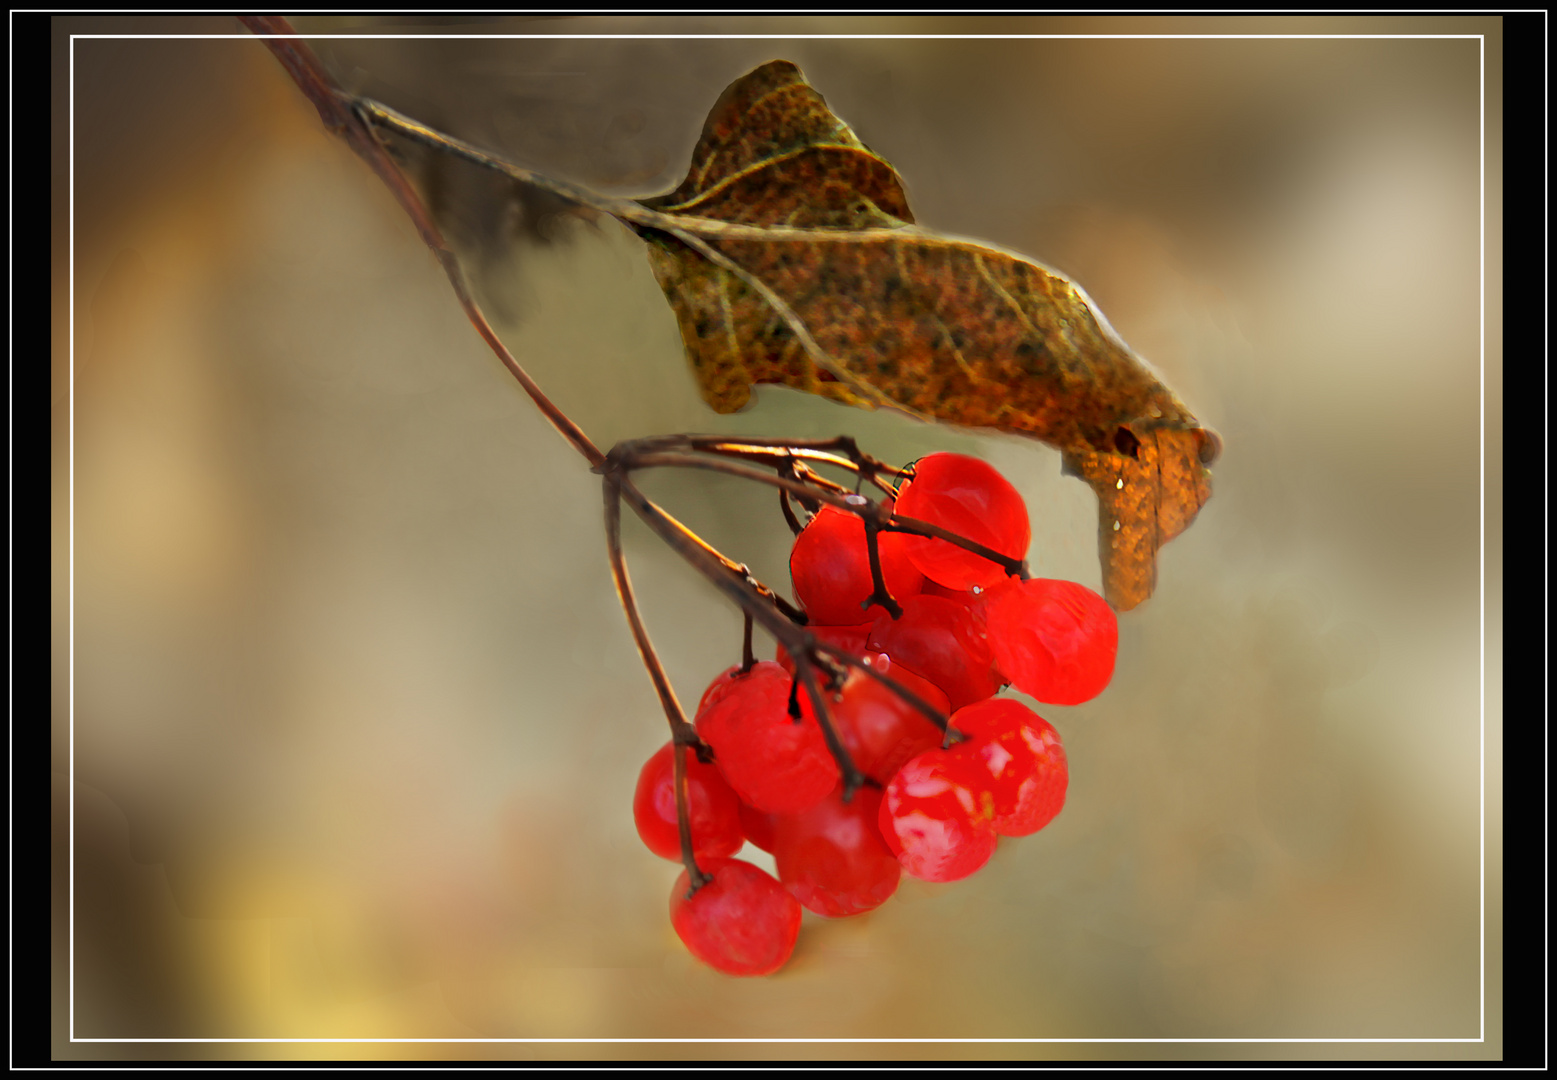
[726,681]
[830,567]
[962,596]
[879,729]
[936,815]
[773,762]
[1024,762]
[943,641]
[832,857]
[743,922]
[758,826]
[968,497]
[1055,640]
[712,808]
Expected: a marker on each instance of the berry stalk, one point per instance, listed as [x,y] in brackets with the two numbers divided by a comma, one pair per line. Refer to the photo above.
[755,599]
[682,733]
[344,116]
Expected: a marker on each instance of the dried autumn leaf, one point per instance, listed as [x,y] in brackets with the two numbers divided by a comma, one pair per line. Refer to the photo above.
[796,261]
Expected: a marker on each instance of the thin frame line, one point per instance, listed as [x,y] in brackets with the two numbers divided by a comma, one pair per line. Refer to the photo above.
[1482,897]
[10,547]
[799,1039]
[784,37]
[1481,38]
[71,793]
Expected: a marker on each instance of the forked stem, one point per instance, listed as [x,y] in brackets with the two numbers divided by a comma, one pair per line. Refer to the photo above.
[879,593]
[799,642]
[629,455]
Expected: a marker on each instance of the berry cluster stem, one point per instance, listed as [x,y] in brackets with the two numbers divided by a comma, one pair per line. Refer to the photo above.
[748,658]
[879,591]
[682,732]
[648,454]
[759,603]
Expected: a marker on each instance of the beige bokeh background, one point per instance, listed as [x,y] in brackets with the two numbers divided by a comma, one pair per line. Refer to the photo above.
[354,718]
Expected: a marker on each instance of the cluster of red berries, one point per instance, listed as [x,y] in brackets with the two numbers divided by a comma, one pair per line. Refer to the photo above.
[932,804]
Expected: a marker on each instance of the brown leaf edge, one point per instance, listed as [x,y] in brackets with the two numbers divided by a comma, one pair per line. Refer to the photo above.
[773,155]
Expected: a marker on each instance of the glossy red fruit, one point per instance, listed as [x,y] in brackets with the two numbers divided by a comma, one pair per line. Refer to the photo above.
[758,826]
[962,596]
[972,600]
[832,857]
[726,681]
[1055,640]
[943,641]
[712,807]
[970,498]
[743,922]
[775,763]
[937,816]
[1022,758]
[878,728]
[830,568]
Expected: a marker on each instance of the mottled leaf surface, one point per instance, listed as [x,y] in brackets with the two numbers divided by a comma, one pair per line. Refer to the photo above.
[946,329]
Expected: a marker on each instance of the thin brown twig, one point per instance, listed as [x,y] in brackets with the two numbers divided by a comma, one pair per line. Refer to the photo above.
[682,733]
[794,461]
[783,464]
[853,779]
[680,728]
[740,571]
[789,513]
[341,116]
[748,658]
[797,641]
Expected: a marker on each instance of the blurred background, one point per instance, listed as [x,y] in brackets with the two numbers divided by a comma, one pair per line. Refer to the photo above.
[355,718]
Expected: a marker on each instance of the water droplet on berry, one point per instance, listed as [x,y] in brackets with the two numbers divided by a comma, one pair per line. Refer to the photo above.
[1119,483]
[1116,526]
